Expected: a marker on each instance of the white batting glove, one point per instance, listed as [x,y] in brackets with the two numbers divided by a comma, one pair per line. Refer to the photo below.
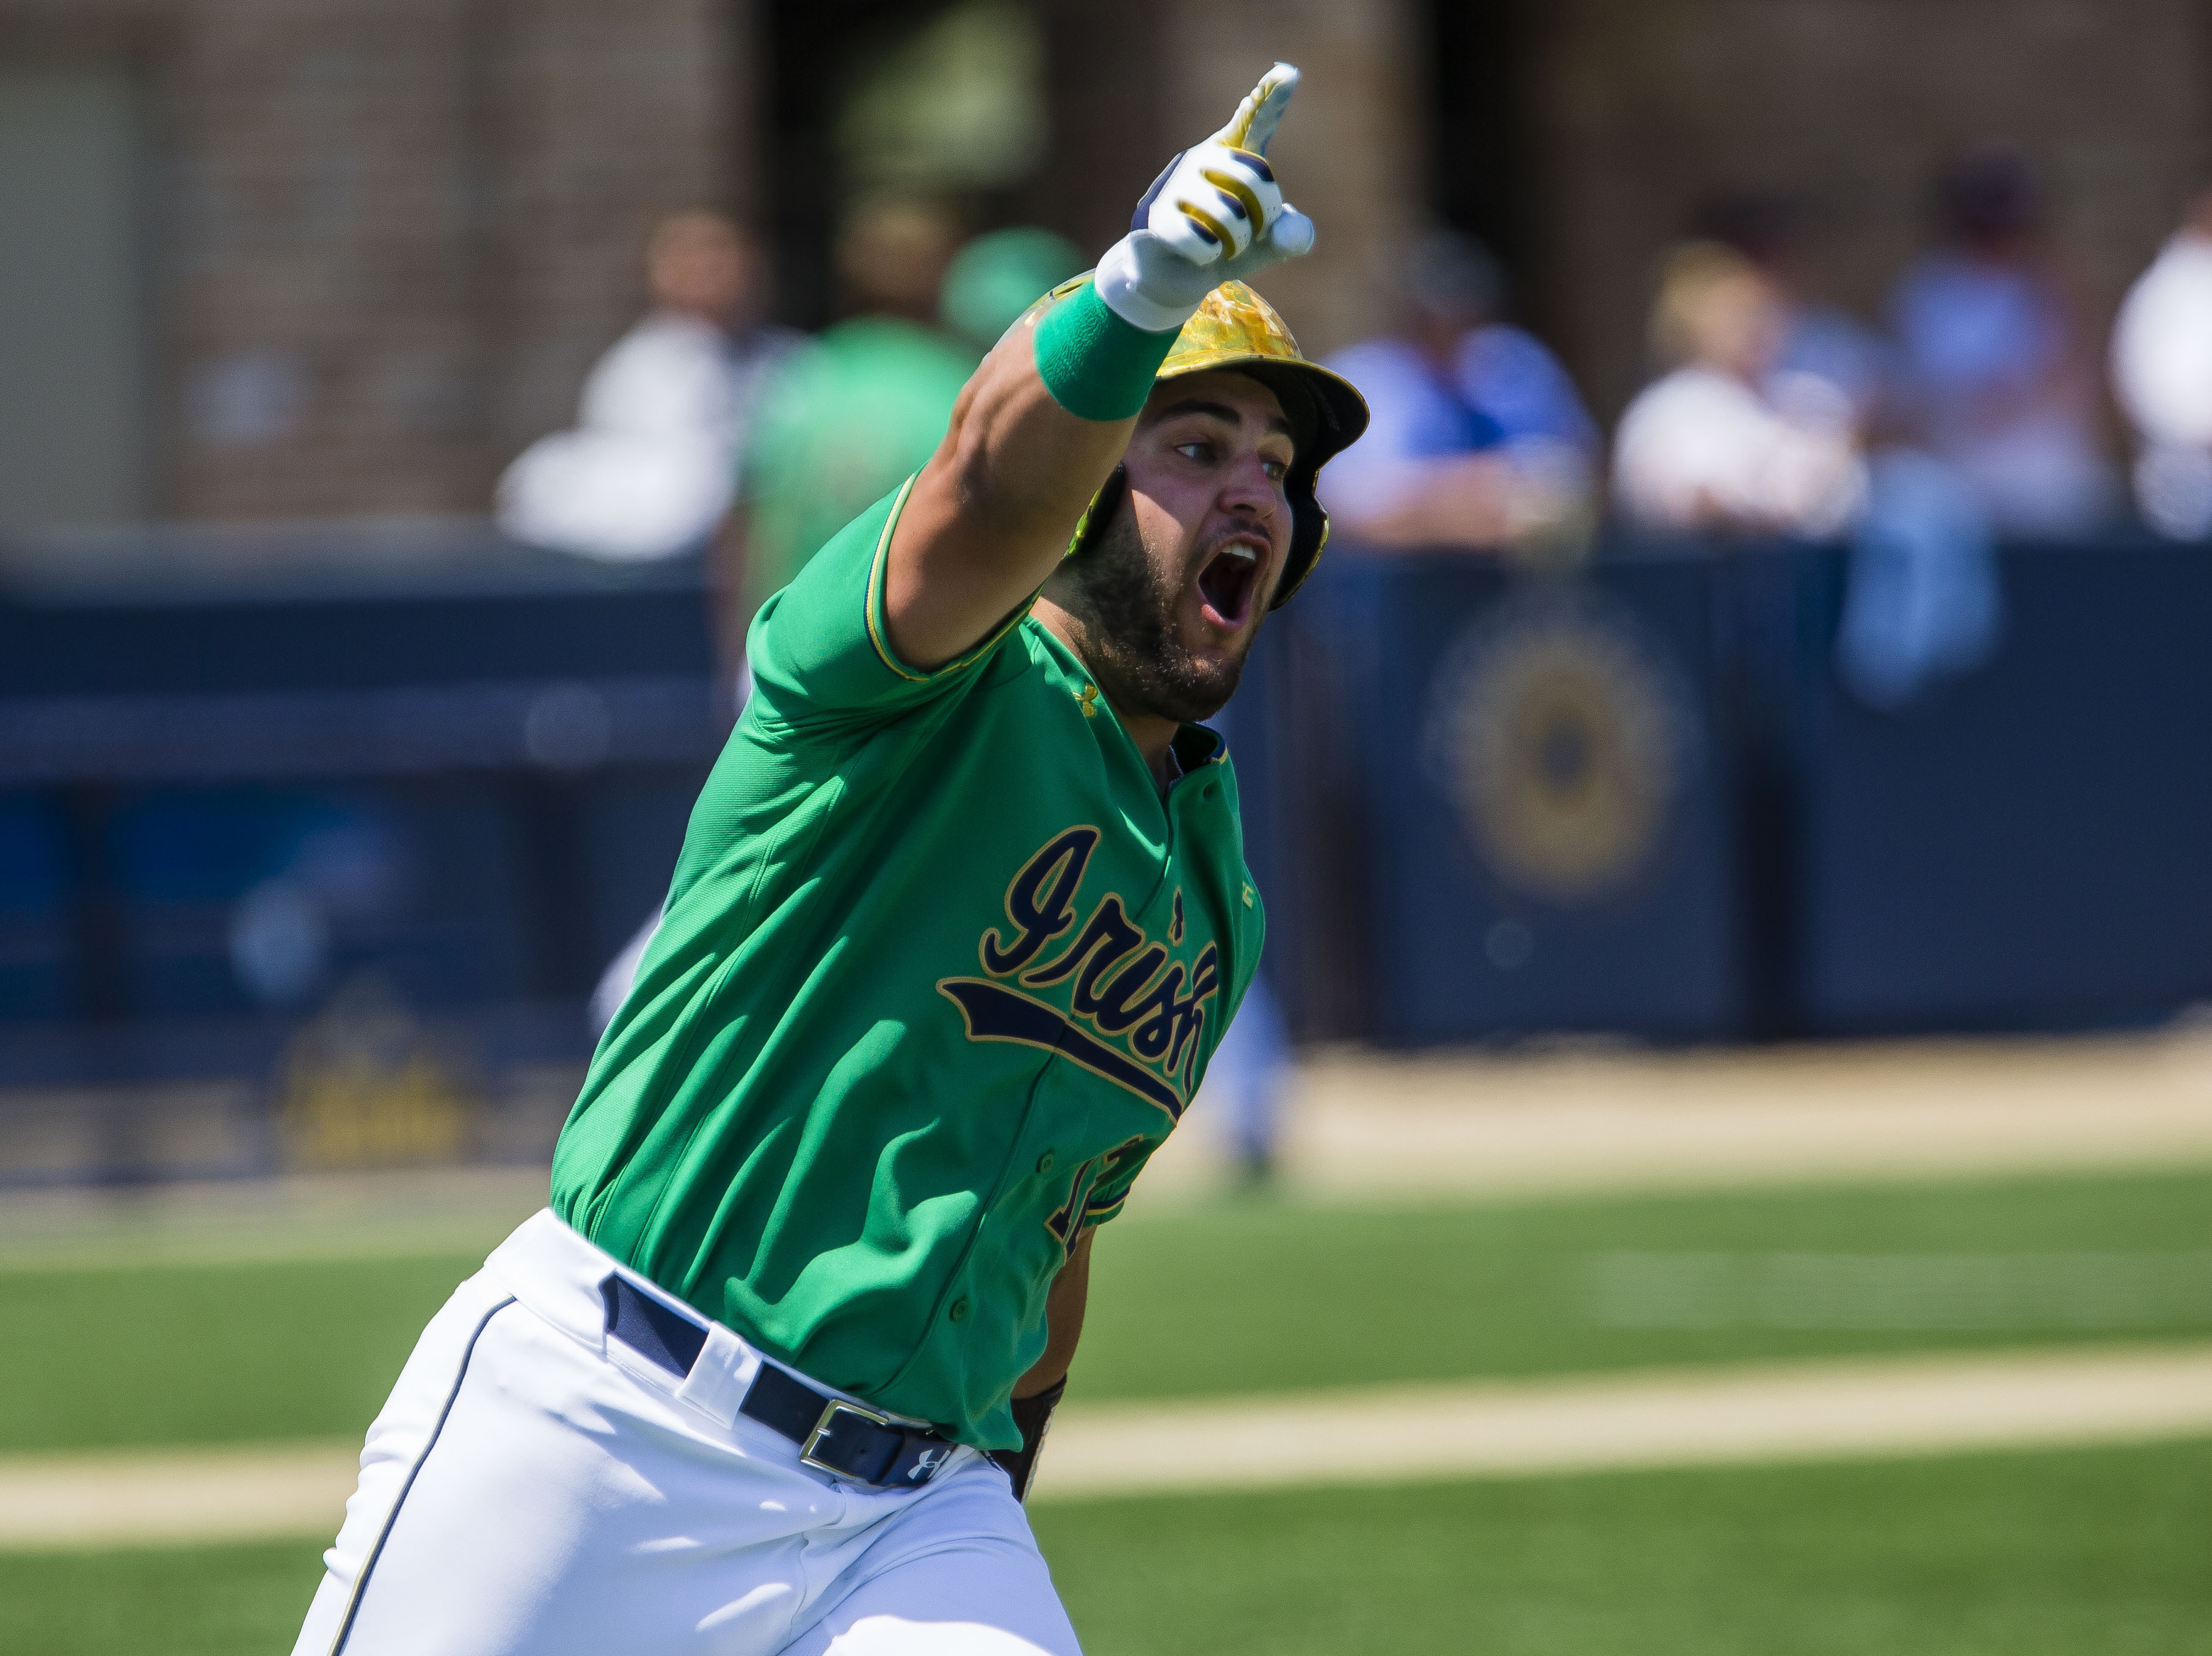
[1217,215]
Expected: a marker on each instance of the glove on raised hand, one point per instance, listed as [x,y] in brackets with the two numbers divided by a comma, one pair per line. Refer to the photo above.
[1216,214]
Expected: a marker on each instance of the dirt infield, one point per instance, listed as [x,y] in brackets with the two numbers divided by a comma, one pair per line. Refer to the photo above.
[1362,1123]
[260,1491]
[1799,1412]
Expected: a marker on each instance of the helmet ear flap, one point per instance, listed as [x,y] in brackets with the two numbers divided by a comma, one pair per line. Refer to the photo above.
[1309,534]
[1091,528]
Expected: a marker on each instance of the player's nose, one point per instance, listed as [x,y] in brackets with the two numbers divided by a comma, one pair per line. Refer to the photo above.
[1249,491]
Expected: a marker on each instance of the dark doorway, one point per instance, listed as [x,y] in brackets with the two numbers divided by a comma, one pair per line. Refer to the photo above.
[812,47]
[1483,176]
[1096,144]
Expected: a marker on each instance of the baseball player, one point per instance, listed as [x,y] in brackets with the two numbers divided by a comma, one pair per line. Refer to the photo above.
[961,915]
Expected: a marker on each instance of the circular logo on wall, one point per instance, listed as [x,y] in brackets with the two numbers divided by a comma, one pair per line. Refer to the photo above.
[1562,734]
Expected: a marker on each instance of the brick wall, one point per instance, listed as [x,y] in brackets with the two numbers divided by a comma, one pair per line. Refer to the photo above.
[393,233]
[609,116]
[1640,107]
[390,234]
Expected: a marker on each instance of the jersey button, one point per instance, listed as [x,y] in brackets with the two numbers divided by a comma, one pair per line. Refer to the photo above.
[959,1311]
[1044,1162]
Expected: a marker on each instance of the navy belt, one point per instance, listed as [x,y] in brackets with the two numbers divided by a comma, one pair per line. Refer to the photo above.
[846,1439]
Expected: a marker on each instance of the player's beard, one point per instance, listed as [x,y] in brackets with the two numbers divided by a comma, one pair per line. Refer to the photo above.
[1127,606]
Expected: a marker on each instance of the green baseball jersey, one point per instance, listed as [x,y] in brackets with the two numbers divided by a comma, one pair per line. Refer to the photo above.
[940,969]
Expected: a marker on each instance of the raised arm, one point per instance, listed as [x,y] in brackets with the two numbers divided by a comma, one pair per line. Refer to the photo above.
[1046,418]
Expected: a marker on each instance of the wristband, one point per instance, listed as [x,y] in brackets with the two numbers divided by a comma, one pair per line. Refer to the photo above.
[1096,365]
[1034,1417]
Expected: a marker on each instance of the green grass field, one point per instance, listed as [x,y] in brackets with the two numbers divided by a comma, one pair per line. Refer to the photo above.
[2053,1554]
[2023,1555]
[2046,1554]
[1221,1299]
[1226,1299]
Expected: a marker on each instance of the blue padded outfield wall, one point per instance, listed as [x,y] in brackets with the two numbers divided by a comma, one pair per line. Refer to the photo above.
[1481,803]
[1532,789]
[2029,846]
[1641,800]
[233,787]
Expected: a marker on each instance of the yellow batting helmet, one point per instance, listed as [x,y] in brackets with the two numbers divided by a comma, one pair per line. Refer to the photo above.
[1237,330]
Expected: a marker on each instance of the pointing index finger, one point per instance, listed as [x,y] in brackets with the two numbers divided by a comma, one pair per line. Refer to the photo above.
[1254,122]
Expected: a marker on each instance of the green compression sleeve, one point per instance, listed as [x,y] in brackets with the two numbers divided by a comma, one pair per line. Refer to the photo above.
[1096,365]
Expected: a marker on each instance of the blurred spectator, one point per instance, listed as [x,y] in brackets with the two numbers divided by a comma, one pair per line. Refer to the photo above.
[1247,1077]
[862,408]
[2162,375]
[1723,442]
[1479,438]
[1819,337]
[649,470]
[850,417]
[1999,355]
[1923,600]
[1000,275]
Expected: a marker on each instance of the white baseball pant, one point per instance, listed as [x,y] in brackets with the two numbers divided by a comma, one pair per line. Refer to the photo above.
[534,1485]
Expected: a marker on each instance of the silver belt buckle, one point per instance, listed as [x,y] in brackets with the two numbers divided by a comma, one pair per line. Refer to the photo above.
[830,1410]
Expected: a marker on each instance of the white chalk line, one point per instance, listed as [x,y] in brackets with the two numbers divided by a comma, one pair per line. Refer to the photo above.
[1799,1412]
[1678,1419]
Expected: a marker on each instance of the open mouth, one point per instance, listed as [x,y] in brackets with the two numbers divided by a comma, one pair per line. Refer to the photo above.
[1225,585]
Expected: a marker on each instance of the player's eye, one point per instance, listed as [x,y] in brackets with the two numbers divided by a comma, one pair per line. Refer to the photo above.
[1197,450]
[1277,471]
